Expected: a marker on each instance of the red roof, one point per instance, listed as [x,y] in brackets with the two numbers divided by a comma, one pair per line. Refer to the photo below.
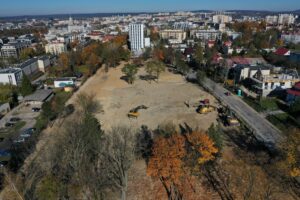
[240,60]
[295,90]
[281,51]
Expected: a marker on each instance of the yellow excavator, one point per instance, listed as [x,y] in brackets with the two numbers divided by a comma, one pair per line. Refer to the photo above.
[204,109]
[133,113]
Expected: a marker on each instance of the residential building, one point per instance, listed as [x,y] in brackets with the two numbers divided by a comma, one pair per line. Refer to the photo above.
[266,85]
[293,38]
[56,48]
[29,67]
[136,38]
[282,52]
[13,49]
[293,94]
[178,35]
[286,19]
[206,35]
[271,19]
[11,76]
[221,19]
[43,63]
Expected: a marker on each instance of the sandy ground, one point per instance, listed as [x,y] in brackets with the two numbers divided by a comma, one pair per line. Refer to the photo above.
[165,100]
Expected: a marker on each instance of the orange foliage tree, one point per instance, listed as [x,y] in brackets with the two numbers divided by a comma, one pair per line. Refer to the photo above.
[167,162]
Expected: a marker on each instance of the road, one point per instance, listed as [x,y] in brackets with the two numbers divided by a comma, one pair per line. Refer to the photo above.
[263,130]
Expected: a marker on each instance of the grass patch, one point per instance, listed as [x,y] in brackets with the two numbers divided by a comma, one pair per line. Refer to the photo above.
[254,104]
[268,104]
[283,121]
[83,69]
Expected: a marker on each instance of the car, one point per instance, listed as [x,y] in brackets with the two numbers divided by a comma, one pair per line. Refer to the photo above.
[35,109]
[19,140]
[9,124]
[227,93]
[14,119]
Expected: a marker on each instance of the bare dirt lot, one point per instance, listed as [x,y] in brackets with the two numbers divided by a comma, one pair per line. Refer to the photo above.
[165,100]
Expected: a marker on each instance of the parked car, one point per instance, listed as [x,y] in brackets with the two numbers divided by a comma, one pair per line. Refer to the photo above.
[27,133]
[14,119]
[35,109]
[9,124]
[19,140]
[227,93]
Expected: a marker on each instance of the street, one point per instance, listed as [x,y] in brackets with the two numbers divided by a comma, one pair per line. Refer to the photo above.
[263,130]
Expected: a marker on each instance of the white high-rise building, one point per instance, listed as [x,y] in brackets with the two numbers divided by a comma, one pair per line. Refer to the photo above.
[136,37]
[271,19]
[286,19]
[221,19]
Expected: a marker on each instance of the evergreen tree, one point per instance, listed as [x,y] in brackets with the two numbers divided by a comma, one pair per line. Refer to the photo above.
[26,86]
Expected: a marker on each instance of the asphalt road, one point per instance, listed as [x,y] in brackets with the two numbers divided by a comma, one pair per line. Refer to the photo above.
[263,130]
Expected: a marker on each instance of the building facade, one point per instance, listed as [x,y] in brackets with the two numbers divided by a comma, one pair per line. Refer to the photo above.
[12,76]
[56,48]
[136,37]
[178,35]
[13,49]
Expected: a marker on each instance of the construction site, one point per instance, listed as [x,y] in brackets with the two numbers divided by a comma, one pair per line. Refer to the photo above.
[169,100]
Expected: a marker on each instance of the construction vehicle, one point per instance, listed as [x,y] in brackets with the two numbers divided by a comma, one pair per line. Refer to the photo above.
[232,121]
[204,109]
[133,113]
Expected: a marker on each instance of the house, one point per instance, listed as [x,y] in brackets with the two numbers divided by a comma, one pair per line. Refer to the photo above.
[39,97]
[293,94]
[56,48]
[265,85]
[63,82]
[282,52]
[11,76]
[242,72]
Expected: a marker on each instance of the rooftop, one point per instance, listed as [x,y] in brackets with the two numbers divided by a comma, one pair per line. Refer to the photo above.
[39,95]
[9,70]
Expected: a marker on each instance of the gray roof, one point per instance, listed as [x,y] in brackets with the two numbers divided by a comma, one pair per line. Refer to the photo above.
[9,70]
[39,95]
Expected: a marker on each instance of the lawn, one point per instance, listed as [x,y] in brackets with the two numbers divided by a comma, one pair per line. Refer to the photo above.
[83,69]
[264,104]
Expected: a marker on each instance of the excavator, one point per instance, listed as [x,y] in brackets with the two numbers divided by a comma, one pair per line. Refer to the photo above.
[205,107]
[133,113]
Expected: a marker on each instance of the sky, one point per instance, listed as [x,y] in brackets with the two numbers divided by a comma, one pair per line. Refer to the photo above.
[43,7]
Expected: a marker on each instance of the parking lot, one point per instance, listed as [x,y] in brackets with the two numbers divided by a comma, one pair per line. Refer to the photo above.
[27,120]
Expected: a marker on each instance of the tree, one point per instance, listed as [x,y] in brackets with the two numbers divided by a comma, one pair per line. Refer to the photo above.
[27,53]
[295,107]
[93,62]
[26,87]
[155,68]
[168,160]
[130,70]
[118,154]
[215,133]
[166,163]
[64,62]
[199,55]
[182,67]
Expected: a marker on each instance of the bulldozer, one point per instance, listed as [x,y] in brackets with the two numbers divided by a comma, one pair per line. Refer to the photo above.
[133,113]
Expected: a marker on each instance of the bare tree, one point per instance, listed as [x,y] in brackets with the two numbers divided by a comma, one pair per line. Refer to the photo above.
[118,154]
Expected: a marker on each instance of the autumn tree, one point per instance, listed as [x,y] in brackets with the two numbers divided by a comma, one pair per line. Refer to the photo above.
[63,62]
[27,53]
[130,70]
[166,163]
[93,62]
[199,58]
[290,147]
[155,68]
[169,157]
